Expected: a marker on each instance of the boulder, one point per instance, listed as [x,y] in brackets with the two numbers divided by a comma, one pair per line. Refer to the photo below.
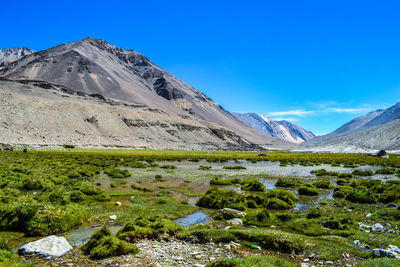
[394,249]
[235,221]
[378,228]
[228,213]
[381,253]
[380,153]
[364,226]
[48,246]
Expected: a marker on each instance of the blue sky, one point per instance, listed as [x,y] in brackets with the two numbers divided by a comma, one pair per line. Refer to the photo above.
[317,63]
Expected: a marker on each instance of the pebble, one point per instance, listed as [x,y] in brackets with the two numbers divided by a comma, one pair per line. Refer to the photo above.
[179,253]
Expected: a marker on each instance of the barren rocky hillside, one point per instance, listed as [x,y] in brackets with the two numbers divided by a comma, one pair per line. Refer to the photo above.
[94,66]
[39,113]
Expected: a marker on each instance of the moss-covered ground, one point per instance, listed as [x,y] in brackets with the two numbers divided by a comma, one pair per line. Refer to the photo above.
[52,192]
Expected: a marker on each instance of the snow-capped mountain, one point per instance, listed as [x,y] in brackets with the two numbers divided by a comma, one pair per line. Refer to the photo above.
[280,129]
[8,55]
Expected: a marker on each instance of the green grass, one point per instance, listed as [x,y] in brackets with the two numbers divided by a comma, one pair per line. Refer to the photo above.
[50,192]
[383,262]
[253,261]
[149,207]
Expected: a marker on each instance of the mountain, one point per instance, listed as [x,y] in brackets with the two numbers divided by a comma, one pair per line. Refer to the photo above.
[390,114]
[372,119]
[8,55]
[95,67]
[385,136]
[41,113]
[350,127]
[283,130]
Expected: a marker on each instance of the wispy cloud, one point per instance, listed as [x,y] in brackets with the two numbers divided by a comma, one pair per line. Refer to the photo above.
[297,112]
[303,113]
[345,110]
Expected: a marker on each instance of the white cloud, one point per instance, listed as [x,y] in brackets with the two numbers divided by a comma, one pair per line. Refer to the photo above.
[302,113]
[297,112]
[346,110]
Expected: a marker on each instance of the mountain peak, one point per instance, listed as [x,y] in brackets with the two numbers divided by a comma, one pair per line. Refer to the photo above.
[8,55]
[94,66]
[283,130]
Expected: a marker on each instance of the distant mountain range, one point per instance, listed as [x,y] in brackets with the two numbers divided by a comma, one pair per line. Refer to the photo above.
[158,109]
[91,93]
[283,130]
[376,130]
[8,55]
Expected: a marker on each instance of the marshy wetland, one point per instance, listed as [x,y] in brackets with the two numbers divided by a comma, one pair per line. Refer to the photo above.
[189,207]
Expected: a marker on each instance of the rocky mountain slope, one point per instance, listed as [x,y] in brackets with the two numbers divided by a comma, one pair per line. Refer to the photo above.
[8,55]
[385,136]
[283,130]
[372,119]
[94,66]
[348,128]
[40,113]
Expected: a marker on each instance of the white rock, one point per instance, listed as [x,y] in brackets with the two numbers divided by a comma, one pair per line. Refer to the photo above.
[394,249]
[228,213]
[48,246]
[235,221]
[378,228]
[113,217]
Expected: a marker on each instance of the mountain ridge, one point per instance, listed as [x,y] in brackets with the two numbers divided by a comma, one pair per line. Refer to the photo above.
[8,55]
[283,130]
[94,66]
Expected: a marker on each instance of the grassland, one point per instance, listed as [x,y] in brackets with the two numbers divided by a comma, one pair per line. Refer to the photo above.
[51,192]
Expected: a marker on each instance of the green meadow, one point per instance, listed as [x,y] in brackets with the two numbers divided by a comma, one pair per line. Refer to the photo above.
[52,192]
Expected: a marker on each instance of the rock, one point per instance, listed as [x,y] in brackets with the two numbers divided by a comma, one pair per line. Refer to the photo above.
[235,221]
[380,253]
[48,246]
[391,205]
[378,228]
[380,153]
[364,226]
[228,213]
[394,249]
[113,217]
[234,244]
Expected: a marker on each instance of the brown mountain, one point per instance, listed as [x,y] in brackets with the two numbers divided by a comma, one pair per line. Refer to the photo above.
[95,67]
